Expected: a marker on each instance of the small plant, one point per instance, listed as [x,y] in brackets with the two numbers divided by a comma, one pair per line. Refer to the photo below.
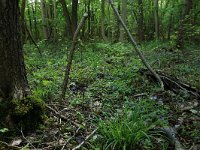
[129,128]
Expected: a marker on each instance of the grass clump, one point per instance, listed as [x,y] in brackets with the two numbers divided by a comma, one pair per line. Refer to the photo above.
[129,128]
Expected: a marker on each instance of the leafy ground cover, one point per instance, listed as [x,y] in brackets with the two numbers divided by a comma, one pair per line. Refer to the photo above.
[108,93]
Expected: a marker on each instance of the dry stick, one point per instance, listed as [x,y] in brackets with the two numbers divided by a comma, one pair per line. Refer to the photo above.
[137,49]
[87,138]
[62,117]
[70,138]
[71,55]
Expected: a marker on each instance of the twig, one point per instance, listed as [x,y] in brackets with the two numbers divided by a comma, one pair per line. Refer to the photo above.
[70,138]
[87,138]
[139,95]
[10,146]
[27,139]
[61,116]
[135,45]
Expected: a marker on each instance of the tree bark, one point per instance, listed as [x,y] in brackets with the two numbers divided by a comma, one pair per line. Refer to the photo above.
[67,18]
[103,19]
[44,21]
[13,80]
[124,11]
[23,6]
[156,19]
[187,7]
[140,21]
[74,15]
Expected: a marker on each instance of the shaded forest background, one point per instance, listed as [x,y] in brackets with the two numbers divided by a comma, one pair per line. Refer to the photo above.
[74,81]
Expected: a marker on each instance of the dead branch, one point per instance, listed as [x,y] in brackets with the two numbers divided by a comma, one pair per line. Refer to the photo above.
[61,116]
[135,45]
[70,138]
[173,84]
[86,139]
[71,55]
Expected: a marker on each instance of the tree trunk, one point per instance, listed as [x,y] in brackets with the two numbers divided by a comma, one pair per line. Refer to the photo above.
[13,81]
[140,21]
[67,18]
[44,21]
[103,19]
[188,5]
[124,10]
[74,15]
[30,18]
[23,21]
[156,19]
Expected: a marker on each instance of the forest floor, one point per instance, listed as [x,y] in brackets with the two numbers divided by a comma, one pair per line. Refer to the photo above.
[107,87]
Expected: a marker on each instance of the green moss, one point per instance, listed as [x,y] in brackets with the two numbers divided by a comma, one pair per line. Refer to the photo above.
[27,113]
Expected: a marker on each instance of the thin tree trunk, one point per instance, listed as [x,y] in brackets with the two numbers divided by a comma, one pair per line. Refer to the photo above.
[103,19]
[44,21]
[156,19]
[74,15]
[71,55]
[67,18]
[124,11]
[137,49]
[30,19]
[140,21]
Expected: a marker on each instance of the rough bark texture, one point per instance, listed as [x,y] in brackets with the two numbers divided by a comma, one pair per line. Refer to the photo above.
[23,21]
[13,82]
[18,108]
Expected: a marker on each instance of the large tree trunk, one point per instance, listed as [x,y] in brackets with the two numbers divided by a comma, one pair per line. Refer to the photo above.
[13,81]
[18,107]
[23,22]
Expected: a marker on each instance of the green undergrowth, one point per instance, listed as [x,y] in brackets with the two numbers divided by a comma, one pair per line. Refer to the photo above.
[103,81]
[130,126]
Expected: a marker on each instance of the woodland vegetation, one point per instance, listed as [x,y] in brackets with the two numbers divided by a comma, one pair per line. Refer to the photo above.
[100,74]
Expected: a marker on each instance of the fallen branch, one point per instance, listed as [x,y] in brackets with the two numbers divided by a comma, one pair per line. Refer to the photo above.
[70,138]
[61,116]
[137,49]
[86,139]
[172,83]
[170,133]
[71,55]
[27,140]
